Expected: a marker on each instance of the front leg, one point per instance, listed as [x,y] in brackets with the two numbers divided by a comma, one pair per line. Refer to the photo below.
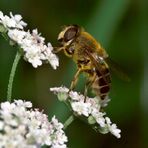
[57,49]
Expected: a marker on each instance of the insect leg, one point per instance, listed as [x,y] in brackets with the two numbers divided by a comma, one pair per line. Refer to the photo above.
[57,49]
[74,81]
[87,85]
[89,82]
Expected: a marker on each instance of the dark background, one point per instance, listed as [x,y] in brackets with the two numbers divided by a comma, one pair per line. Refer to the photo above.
[121,26]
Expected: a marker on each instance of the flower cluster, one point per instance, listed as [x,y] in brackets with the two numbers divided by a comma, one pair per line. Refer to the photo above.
[89,108]
[20,125]
[33,44]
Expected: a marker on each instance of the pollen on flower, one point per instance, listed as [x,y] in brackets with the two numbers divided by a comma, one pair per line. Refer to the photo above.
[20,124]
[32,43]
[88,108]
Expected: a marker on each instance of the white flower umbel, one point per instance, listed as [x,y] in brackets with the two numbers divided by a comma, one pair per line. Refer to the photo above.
[81,108]
[62,92]
[22,126]
[88,108]
[113,128]
[14,21]
[32,43]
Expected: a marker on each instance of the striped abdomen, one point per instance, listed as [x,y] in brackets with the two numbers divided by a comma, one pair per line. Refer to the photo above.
[102,82]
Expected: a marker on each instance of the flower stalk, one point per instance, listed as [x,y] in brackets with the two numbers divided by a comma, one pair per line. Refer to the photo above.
[69,121]
[12,74]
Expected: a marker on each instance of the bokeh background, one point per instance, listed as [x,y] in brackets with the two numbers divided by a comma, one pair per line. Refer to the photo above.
[121,26]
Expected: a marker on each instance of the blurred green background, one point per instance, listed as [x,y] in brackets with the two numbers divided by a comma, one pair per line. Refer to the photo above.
[122,28]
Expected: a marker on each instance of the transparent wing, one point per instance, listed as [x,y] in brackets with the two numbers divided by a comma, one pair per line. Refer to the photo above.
[99,64]
[115,68]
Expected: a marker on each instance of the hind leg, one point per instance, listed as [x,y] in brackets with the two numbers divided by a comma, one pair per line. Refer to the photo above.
[88,84]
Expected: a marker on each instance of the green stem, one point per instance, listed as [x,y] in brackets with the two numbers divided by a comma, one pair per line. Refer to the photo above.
[12,74]
[69,121]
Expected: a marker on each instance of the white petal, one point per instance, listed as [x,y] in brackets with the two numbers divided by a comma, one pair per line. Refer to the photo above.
[1,15]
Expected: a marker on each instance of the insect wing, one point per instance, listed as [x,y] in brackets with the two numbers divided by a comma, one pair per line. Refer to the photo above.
[115,68]
[100,65]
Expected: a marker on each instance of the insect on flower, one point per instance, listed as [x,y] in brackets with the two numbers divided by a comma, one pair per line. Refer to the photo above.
[90,58]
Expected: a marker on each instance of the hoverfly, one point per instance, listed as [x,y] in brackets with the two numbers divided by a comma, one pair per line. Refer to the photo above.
[90,58]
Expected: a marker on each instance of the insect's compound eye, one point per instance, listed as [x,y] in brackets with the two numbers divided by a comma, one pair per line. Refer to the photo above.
[60,39]
[70,34]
